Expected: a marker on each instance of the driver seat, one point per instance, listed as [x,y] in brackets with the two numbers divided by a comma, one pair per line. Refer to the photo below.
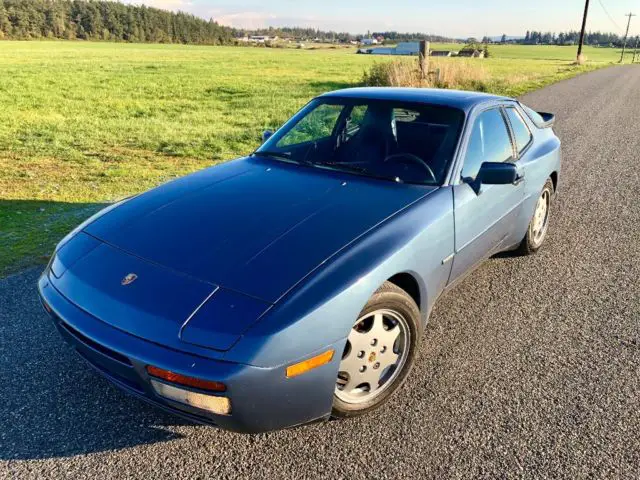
[375,140]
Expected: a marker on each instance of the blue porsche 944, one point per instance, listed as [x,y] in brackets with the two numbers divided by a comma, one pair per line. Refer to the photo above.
[295,284]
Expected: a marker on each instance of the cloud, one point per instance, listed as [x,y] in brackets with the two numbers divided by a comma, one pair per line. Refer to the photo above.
[260,19]
[250,20]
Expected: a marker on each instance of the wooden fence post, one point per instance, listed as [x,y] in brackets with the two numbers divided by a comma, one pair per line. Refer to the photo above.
[424,59]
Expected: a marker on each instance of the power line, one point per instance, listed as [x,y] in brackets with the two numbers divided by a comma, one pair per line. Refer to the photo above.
[609,15]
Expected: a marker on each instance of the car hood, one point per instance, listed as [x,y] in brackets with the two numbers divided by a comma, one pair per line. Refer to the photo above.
[148,300]
[254,226]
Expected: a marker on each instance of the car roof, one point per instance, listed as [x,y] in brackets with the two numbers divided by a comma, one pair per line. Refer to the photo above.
[433,96]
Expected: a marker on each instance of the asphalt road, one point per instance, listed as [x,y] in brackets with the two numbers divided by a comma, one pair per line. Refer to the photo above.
[530,368]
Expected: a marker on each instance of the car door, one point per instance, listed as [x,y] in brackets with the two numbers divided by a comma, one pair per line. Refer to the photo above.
[485,215]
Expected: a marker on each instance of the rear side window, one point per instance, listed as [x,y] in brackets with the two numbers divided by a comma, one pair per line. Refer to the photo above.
[520,130]
[489,142]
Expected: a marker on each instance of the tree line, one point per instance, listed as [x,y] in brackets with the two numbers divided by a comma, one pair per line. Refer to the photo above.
[307,34]
[105,20]
[299,33]
[408,37]
[571,38]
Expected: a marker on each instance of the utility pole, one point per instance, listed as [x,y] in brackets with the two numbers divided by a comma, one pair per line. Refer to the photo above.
[624,44]
[635,50]
[584,26]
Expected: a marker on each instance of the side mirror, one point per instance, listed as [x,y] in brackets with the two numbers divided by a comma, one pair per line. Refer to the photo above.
[494,173]
[266,135]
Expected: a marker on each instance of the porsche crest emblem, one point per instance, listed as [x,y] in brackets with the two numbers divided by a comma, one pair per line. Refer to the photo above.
[129,279]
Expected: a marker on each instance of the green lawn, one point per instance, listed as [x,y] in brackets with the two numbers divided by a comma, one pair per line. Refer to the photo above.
[83,124]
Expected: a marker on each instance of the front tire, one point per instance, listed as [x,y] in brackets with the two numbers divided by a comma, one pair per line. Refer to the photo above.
[379,353]
[539,225]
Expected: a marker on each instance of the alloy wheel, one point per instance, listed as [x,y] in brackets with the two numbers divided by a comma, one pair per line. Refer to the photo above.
[540,222]
[373,357]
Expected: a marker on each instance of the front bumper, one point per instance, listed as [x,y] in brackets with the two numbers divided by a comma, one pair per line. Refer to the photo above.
[262,399]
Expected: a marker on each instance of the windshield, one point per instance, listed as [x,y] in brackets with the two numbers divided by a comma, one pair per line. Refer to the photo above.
[403,142]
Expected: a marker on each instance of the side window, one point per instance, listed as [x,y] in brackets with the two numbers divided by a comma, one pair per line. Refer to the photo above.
[520,130]
[489,142]
[315,126]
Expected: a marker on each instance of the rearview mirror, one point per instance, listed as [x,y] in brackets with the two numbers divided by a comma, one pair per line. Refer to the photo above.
[266,135]
[494,173]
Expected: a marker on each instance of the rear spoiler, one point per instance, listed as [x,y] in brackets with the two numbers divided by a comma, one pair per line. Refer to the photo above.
[548,119]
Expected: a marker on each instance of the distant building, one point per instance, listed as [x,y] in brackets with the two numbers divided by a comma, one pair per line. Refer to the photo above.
[471,53]
[382,51]
[443,53]
[261,38]
[406,48]
[413,49]
[369,41]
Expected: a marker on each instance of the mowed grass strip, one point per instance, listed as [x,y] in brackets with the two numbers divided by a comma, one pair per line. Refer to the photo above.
[84,124]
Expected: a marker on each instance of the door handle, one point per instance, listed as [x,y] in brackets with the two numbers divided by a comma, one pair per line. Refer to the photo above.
[519,179]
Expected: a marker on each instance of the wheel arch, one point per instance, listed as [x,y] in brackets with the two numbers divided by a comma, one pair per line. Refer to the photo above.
[409,284]
[554,180]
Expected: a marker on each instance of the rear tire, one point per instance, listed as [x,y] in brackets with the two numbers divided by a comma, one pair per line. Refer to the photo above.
[539,225]
[379,353]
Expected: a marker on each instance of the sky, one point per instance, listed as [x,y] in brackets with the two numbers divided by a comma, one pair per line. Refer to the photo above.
[456,18]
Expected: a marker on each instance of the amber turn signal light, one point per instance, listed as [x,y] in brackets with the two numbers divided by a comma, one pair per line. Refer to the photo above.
[176,378]
[306,365]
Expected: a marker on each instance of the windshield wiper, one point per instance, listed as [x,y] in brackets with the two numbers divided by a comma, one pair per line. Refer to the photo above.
[281,155]
[358,169]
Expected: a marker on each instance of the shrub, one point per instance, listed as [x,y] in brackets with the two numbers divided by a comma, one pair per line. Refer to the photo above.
[392,74]
[449,73]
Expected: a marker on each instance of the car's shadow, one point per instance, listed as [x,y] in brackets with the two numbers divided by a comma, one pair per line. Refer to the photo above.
[54,405]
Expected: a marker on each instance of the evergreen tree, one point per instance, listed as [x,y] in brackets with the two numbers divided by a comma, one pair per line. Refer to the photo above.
[5,25]
[572,38]
[105,20]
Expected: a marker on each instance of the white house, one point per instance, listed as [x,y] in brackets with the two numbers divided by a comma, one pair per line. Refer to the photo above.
[259,38]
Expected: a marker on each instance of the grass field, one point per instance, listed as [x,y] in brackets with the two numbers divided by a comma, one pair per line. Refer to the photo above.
[84,124]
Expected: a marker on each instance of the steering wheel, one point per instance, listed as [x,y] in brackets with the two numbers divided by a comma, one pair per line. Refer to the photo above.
[413,159]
